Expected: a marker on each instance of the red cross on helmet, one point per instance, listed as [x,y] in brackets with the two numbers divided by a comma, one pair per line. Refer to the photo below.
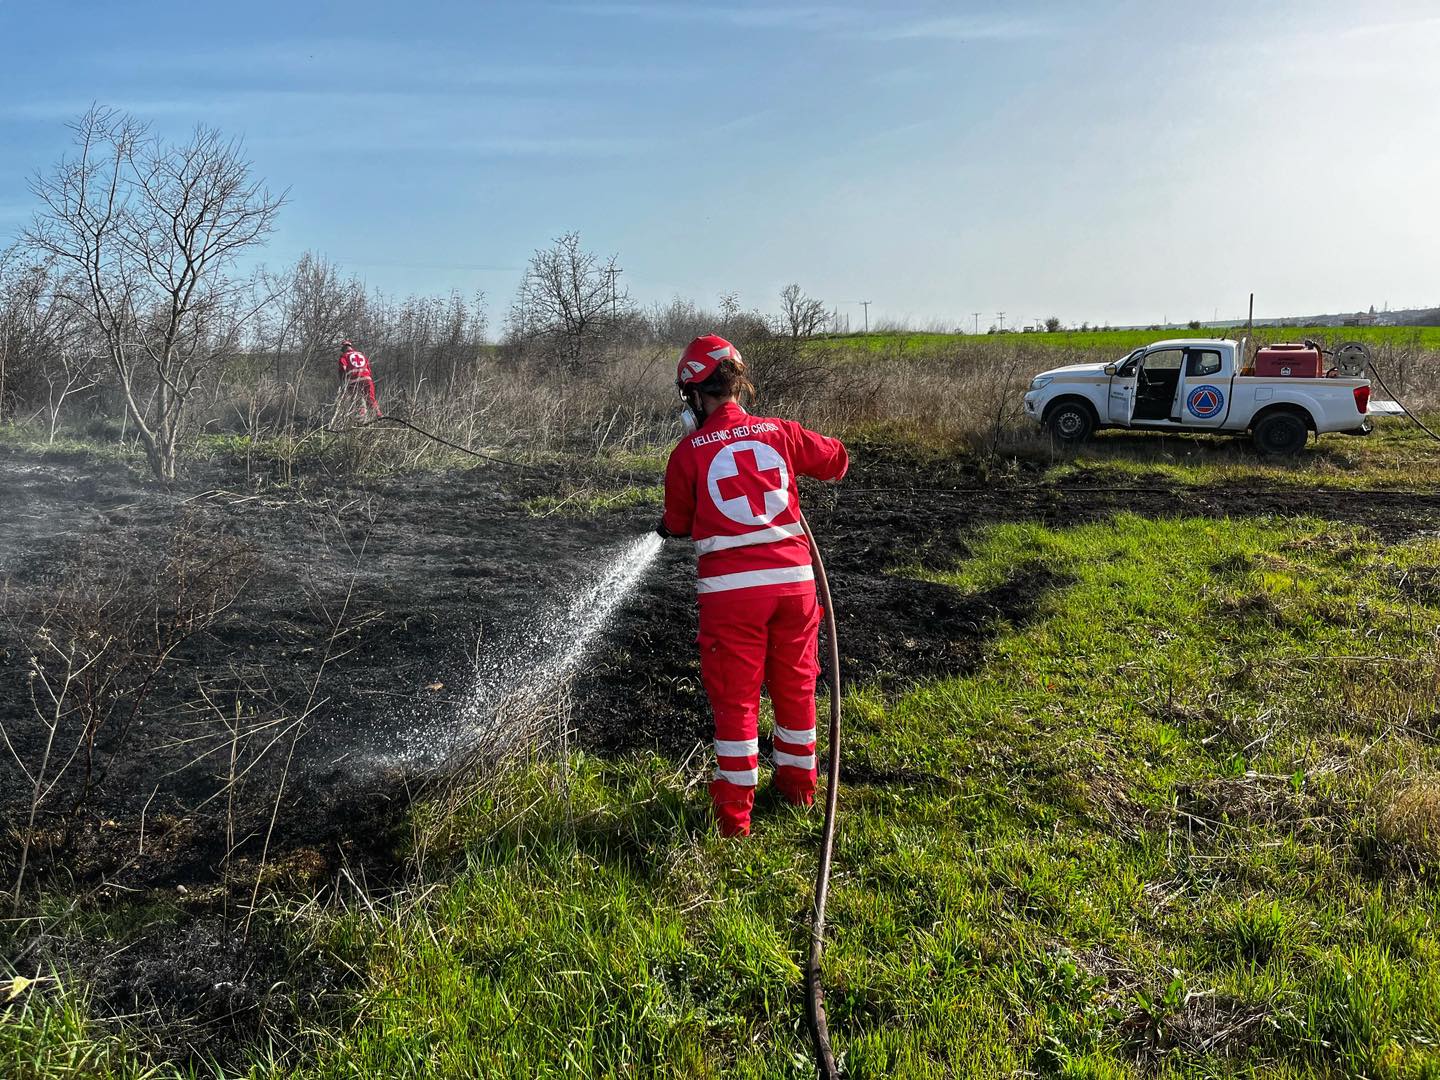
[702,356]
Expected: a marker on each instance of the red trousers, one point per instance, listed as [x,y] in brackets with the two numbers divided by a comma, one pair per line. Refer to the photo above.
[749,637]
[361,388]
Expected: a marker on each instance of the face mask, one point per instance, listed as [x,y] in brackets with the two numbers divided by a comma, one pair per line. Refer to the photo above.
[690,420]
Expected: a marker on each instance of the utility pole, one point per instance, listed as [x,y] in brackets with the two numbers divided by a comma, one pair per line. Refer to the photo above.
[614,272]
[866,305]
[977,322]
[1000,315]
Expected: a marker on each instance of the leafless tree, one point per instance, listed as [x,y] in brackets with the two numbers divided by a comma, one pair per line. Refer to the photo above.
[314,310]
[23,315]
[13,274]
[70,368]
[802,316]
[462,328]
[569,301]
[729,308]
[46,355]
[149,233]
[680,321]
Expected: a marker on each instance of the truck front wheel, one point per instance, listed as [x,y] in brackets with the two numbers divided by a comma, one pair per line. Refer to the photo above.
[1070,422]
[1282,434]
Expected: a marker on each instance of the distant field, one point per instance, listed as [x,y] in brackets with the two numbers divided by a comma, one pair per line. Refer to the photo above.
[1119,341]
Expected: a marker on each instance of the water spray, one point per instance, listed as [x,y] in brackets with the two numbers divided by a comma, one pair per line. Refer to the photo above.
[543,653]
[520,674]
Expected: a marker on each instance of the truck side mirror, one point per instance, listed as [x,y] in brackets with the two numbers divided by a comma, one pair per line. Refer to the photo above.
[1111,369]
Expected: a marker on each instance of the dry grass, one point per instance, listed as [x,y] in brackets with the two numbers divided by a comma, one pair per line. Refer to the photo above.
[965,397]
[1410,821]
[959,393]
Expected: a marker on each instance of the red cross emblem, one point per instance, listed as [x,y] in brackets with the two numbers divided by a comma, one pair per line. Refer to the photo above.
[749,482]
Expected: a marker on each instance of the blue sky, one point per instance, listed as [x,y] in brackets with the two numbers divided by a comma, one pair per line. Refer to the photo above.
[1105,161]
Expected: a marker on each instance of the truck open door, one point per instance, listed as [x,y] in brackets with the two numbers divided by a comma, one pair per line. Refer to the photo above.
[1205,388]
[1156,399]
[1122,389]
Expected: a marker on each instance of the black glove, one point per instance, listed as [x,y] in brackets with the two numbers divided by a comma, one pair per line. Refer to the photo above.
[665,534]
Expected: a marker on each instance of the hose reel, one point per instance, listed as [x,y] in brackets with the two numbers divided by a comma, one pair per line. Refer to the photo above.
[1351,359]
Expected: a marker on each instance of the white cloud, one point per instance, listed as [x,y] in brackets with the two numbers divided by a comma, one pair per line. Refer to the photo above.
[875,22]
[53,109]
[417,65]
[1402,26]
[304,121]
[766,16]
[965,28]
[398,141]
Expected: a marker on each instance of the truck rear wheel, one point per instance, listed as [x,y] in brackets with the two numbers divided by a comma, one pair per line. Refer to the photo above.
[1282,434]
[1070,422]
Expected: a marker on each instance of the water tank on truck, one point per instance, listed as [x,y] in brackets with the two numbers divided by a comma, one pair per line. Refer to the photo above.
[1290,361]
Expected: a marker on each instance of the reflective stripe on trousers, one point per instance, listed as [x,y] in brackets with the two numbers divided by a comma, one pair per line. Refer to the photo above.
[749,579]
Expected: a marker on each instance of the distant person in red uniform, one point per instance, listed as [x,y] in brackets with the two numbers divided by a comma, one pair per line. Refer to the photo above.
[356,378]
[731,487]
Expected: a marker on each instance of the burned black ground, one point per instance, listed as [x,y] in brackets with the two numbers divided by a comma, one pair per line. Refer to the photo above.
[416,570]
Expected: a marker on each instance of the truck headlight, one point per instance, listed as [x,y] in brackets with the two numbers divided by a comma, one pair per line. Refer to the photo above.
[1041,381]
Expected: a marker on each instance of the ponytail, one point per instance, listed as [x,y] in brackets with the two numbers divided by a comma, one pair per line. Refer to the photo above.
[729,379]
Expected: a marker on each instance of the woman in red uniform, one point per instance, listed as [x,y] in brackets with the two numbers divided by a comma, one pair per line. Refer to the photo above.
[357,378]
[731,486]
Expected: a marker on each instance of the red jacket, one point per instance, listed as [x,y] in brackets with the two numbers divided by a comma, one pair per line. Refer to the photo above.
[354,365]
[731,487]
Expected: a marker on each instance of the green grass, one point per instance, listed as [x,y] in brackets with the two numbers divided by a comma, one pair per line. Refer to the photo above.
[1117,342]
[1397,455]
[587,501]
[45,1033]
[32,439]
[1145,836]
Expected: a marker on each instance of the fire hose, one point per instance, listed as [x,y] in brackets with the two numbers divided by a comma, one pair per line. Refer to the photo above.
[433,438]
[814,992]
[1403,407]
[826,1068]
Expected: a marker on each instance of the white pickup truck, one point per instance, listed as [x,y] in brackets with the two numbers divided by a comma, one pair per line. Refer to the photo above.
[1201,384]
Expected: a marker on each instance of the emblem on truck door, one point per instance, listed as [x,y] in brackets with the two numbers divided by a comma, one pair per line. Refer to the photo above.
[1205,401]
